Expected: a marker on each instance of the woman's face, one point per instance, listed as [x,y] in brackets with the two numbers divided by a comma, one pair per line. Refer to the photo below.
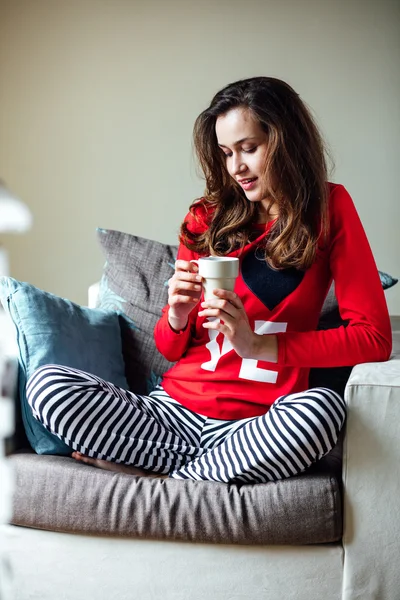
[245,145]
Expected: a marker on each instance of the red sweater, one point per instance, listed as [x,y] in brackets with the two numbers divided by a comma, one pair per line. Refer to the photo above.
[210,378]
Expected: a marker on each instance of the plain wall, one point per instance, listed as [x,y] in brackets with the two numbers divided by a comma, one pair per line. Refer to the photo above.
[98,100]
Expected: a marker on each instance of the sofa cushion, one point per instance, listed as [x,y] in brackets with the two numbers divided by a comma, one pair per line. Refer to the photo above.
[58,494]
[51,330]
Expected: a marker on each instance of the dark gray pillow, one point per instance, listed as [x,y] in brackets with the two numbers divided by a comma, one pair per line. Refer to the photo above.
[387,280]
[134,283]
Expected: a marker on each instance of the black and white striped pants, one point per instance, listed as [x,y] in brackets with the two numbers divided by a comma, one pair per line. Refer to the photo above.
[157,433]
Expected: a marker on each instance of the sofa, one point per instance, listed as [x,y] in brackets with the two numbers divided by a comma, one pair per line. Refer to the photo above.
[331,533]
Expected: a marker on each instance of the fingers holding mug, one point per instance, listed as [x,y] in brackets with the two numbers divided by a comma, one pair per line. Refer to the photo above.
[186,266]
[185,284]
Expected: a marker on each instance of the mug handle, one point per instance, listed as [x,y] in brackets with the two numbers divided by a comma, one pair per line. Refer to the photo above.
[198,268]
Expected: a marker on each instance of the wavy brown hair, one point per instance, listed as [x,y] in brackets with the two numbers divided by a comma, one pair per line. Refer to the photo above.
[296,160]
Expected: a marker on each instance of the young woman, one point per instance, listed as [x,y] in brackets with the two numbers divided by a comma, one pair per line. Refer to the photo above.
[236,406]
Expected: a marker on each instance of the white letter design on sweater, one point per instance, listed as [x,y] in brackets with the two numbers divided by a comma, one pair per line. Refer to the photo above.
[248,369]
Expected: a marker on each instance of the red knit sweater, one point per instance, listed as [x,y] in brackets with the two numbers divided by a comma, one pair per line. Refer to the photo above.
[210,378]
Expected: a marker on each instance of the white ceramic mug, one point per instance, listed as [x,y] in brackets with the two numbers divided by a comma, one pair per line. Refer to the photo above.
[217,272]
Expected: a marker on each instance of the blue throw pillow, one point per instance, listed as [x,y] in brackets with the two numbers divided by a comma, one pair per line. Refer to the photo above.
[52,330]
[387,280]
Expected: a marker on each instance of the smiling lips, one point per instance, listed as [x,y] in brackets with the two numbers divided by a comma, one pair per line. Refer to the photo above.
[247,184]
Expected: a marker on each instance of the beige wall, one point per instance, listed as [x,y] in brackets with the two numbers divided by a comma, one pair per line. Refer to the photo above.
[98,99]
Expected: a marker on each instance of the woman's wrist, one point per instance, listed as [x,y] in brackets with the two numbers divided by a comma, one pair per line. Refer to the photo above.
[266,347]
[177,325]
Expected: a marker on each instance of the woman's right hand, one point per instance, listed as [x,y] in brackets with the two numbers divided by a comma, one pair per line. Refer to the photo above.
[184,291]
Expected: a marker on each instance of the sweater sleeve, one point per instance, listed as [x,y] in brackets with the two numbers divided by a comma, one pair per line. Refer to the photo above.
[361,301]
[170,343]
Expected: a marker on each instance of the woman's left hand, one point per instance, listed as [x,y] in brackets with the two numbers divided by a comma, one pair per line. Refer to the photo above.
[233,322]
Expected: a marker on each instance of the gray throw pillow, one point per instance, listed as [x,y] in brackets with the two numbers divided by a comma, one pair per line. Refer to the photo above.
[134,283]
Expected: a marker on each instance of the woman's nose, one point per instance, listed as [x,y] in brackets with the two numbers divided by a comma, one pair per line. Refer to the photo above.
[237,165]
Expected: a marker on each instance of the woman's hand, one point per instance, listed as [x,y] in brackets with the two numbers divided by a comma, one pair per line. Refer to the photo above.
[184,291]
[232,321]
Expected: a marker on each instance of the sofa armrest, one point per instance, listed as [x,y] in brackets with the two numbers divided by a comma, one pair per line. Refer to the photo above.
[371,472]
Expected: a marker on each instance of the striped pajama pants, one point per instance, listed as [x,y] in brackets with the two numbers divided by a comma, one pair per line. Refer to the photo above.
[157,433]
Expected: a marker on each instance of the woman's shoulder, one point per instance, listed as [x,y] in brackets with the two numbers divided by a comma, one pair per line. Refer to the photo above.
[343,215]
[339,198]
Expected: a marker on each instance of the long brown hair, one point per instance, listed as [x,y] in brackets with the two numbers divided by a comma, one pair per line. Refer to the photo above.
[296,160]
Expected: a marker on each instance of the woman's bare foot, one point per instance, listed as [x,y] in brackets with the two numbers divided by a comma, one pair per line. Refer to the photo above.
[112,466]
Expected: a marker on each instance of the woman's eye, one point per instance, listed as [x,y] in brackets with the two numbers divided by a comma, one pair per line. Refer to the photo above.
[245,150]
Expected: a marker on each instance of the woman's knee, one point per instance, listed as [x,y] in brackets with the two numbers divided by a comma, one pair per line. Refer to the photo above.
[40,377]
[320,401]
[46,381]
[331,400]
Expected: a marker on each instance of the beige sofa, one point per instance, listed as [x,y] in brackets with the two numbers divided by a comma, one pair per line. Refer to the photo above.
[331,533]
[362,564]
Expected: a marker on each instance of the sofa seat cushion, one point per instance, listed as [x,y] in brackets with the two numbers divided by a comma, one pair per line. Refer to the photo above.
[59,494]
